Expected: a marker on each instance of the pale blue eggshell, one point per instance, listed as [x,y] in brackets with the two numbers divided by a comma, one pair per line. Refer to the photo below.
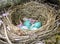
[37,24]
[33,28]
[27,23]
[24,27]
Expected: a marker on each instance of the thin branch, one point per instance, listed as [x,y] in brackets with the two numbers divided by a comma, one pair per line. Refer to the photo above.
[6,34]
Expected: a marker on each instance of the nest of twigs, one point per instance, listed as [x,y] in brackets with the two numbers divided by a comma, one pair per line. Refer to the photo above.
[35,10]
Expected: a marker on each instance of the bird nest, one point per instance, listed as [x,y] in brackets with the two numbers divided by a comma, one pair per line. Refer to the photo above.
[35,10]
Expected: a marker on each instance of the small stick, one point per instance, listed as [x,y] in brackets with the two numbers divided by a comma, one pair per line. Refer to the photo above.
[6,34]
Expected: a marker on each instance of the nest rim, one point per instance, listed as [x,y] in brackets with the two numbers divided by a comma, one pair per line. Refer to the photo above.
[50,21]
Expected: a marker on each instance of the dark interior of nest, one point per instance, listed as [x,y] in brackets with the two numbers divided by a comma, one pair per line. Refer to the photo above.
[18,16]
[34,10]
[30,10]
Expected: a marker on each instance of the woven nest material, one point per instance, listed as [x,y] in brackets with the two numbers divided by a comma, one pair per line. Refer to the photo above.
[35,10]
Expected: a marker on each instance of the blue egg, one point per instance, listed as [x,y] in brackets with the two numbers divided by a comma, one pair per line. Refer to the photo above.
[37,24]
[24,27]
[33,28]
[27,23]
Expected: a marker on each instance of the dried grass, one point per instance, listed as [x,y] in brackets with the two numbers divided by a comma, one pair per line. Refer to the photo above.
[41,12]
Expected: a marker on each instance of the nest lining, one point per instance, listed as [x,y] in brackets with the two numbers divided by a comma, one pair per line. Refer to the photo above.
[32,10]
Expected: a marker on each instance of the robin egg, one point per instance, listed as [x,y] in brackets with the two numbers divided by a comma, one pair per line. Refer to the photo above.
[37,24]
[27,23]
[24,27]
